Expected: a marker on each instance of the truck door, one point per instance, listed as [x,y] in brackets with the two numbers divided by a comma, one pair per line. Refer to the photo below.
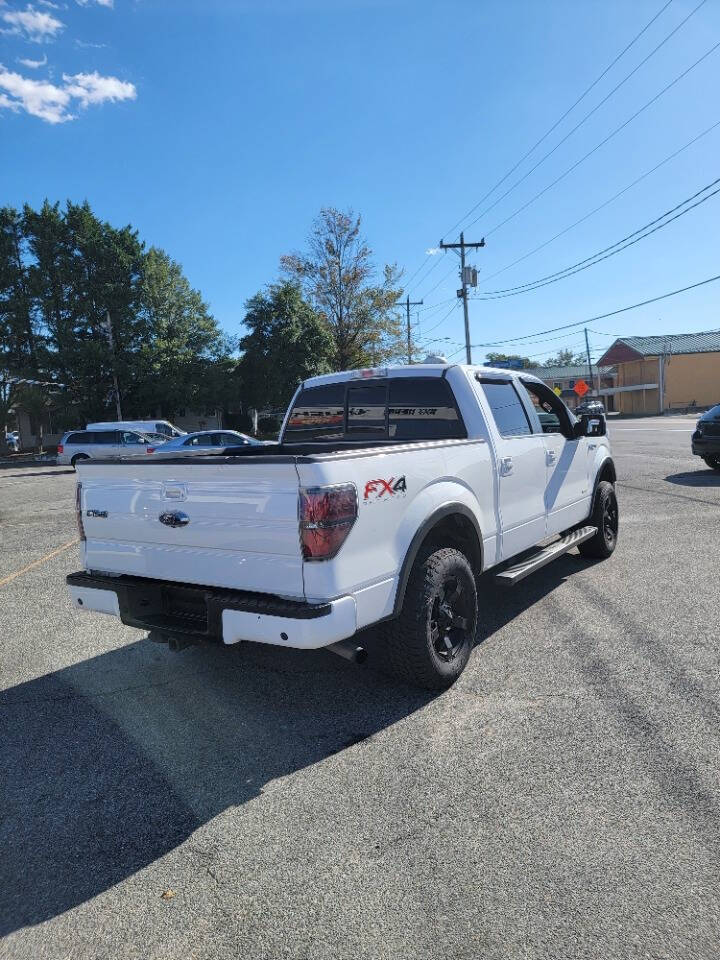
[567,489]
[520,462]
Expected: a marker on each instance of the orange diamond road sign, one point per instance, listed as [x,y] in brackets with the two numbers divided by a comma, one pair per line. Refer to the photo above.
[581,388]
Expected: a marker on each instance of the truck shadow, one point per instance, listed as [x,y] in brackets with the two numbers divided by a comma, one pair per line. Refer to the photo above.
[109,764]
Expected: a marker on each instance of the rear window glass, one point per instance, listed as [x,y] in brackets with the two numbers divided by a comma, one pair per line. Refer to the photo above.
[318,414]
[423,410]
[76,438]
[508,411]
[399,408]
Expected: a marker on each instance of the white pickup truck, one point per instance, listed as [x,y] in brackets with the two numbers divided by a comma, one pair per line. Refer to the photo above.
[389,492]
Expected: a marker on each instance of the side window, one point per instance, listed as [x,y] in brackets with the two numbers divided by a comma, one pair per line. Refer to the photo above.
[367,406]
[552,413]
[230,440]
[196,441]
[132,439]
[317,414]
[507,409]
[75,438]
[423,409]
[106,437]
[217,439]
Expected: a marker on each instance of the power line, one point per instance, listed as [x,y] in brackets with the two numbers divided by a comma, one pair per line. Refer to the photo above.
[603,316]
[440,322]
[546,134]
[607,202]
[589,114]
[601,255]
[602,143]
[560,120]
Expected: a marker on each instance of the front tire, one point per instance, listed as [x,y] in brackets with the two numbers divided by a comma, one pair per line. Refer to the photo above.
[712,462]
[430,643]
[606,517]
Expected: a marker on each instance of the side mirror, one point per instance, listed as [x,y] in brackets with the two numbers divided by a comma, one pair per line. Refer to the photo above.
[590,426]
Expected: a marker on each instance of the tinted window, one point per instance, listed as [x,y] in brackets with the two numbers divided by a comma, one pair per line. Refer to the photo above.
[131,439]
[76,438]
[366,409]
[104,436]
[422,410]
[508,411]
[164,429]
[230,440]
[318,414]
[199,440]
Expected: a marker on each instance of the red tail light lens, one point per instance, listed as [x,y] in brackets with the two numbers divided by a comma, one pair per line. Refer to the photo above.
[60,448]
[78,511]
[327,515]
[150,450]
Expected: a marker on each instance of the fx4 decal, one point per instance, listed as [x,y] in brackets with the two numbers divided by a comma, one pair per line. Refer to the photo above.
[375,489]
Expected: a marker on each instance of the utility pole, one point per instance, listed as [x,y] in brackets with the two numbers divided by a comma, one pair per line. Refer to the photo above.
[468,277]
[410,303]
[108,327]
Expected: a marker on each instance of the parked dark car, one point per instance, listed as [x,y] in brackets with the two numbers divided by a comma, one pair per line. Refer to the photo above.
[706,439]
[590,407]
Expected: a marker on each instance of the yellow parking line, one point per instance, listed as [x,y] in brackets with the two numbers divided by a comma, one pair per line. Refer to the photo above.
[36,563]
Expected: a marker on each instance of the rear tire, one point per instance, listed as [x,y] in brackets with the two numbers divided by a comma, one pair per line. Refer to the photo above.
[606,518]
[430,643]
[712,462]
[75,460]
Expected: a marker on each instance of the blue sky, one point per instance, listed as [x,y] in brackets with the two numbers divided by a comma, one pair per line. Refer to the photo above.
[219,128]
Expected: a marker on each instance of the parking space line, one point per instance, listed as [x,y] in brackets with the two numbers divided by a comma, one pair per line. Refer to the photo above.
[36,563]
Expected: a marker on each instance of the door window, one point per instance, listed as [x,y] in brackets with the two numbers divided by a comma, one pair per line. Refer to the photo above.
[554,416]
[130,439]
[507,409]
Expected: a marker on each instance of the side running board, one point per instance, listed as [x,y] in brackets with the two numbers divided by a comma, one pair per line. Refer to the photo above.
[512,575]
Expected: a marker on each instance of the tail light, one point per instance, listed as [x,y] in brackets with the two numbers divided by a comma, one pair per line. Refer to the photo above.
[78,511]
[60,448]
[327,515]
[150,450]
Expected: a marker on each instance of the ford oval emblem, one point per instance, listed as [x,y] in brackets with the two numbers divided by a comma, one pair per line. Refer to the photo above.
[175,518]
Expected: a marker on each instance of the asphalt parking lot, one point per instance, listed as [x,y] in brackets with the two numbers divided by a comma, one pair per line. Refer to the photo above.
[561,801]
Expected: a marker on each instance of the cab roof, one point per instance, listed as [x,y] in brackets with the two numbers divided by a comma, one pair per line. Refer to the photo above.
[416,370]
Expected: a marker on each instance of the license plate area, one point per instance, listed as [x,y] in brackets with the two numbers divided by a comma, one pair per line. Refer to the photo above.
[162,607]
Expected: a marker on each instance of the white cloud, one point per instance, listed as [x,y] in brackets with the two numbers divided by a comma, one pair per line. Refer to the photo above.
[47,3]
[100,3]
[31,24]
[54,103]
[92,88]
[33,64]
[431,251]
[89,46]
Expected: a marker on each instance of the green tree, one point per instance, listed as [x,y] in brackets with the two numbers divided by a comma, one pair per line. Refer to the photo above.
[507,357]
[184,358]
[286,343]
[566,358]
[340,281]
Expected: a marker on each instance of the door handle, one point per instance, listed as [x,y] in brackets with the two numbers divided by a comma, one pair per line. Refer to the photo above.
[506,466]
[550,457]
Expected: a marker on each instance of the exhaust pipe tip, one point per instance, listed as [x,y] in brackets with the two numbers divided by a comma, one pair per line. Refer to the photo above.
[348,651]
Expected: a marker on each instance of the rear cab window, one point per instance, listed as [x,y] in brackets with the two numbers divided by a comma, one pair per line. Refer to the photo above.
[394,408]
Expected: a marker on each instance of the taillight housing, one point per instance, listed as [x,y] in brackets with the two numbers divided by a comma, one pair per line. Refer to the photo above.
[60,448]
[150,450]
[78,511]
[327,515]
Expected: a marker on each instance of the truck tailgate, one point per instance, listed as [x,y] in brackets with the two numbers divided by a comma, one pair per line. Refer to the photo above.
[224,524]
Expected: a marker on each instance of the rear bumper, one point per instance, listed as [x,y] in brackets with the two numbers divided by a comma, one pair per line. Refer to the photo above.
[213,614]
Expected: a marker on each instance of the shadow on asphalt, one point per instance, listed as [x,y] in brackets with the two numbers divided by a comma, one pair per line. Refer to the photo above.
[696,478]
[109,764]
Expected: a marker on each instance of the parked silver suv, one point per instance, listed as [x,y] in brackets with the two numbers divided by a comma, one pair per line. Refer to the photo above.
[100,444]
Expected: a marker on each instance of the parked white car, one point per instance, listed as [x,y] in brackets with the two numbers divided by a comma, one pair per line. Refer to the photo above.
[389,493]
[79,445]
[203,441]
[142,426]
